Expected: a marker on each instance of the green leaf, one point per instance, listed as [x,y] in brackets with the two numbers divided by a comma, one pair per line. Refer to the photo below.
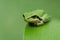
[48,31]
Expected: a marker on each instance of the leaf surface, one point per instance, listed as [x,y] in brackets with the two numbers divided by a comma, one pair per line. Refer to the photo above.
[48,31]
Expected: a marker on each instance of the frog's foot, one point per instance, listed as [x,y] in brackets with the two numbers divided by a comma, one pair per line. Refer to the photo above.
[40,23]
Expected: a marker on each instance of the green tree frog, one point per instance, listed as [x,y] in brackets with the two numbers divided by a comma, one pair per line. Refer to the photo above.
[36,17]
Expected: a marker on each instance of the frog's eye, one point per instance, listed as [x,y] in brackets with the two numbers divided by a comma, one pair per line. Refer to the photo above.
[35,16]
[23,16]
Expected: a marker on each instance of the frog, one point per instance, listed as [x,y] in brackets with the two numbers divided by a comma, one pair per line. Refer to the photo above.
[36,17]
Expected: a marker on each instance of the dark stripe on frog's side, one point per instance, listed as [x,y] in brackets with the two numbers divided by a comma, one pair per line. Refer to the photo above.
[35,16]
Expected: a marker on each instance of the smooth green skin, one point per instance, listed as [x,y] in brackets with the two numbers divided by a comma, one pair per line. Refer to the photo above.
[40,13]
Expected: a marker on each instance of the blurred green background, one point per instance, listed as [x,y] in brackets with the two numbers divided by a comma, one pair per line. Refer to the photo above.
[11,21]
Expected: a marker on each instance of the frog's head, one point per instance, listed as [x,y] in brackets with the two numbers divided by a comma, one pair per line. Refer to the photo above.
[35,17]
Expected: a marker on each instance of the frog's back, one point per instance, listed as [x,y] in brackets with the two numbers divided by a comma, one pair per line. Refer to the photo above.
[39,13]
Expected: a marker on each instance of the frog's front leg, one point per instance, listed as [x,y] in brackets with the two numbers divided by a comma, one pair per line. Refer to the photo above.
[40,23]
